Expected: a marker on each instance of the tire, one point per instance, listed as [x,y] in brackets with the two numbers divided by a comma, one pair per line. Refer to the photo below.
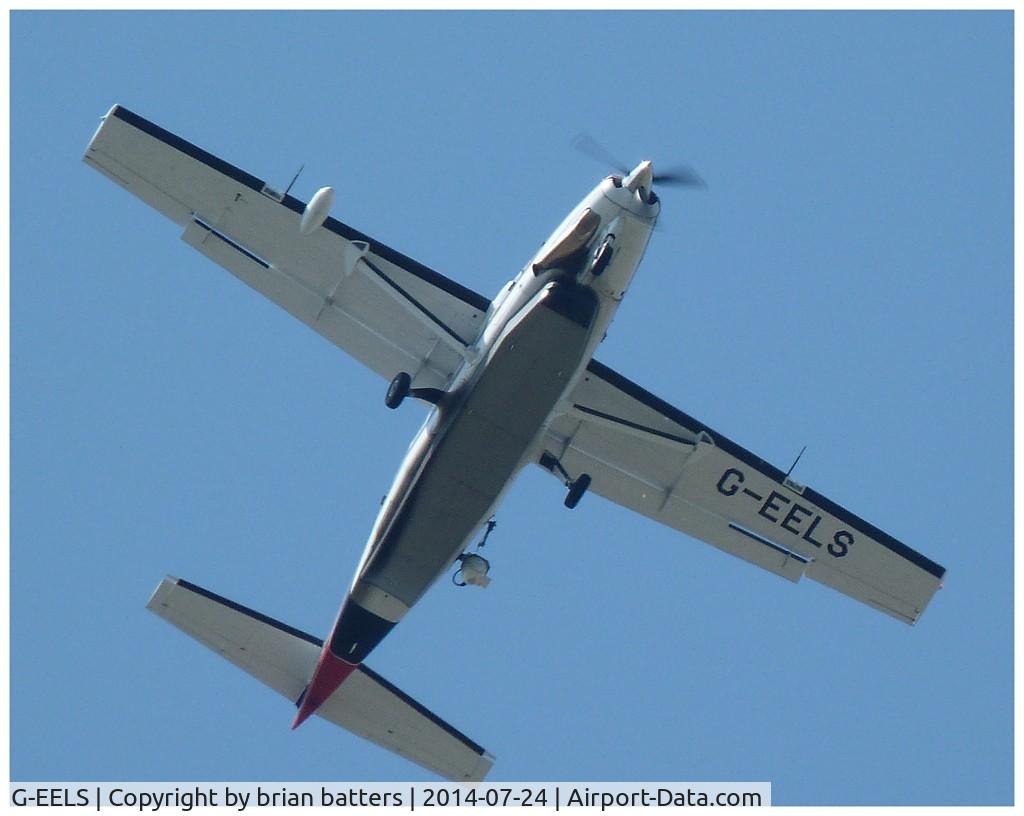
[576,491]
[604,257]
[398,390]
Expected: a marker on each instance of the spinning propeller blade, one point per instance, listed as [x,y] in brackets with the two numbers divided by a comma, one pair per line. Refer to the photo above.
[589,146]
[681,175]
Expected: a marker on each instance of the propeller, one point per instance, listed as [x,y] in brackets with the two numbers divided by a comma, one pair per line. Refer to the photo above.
[589,146]
[680,175]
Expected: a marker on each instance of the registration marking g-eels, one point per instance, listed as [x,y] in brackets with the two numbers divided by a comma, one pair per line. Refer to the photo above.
[790,515]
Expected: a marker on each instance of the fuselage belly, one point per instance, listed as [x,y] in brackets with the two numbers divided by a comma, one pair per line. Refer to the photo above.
[456,476]
[540,334]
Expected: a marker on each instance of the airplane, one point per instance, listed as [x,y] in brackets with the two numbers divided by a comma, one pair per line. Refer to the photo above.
[509,382]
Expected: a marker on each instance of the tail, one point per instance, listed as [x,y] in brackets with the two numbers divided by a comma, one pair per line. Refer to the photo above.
[329,674]
[285,659]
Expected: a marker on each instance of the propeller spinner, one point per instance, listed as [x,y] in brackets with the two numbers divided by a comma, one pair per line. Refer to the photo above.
[643,174]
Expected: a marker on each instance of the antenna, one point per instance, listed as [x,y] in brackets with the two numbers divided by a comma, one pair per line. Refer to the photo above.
[294,180]
[795,461]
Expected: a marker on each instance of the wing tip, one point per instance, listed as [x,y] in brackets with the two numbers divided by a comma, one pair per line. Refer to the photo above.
[158,598]
[479,771]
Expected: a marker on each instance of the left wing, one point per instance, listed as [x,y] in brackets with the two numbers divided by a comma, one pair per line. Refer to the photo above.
[648,456]
[387,310]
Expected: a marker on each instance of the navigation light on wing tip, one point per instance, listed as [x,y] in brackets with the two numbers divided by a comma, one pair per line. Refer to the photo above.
[317,210]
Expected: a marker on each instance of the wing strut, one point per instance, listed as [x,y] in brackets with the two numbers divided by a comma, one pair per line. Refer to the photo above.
[447,335]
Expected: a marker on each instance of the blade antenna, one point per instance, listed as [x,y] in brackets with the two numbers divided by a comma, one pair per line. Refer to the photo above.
[795,461]
[288,190]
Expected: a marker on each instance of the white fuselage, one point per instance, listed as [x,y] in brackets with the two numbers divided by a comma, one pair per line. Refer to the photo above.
[536,340]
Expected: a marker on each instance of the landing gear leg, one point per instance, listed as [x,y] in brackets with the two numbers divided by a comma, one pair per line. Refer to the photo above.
[399,389]
[577,487]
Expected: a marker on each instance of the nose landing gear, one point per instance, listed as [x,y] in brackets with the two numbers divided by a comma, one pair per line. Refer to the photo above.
[603,257]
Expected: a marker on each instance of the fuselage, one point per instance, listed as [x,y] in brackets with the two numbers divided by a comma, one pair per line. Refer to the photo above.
[535,342]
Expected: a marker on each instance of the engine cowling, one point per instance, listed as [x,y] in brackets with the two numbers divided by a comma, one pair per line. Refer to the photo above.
[317,210]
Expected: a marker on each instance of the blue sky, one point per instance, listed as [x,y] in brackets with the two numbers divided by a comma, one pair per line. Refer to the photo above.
[845,284]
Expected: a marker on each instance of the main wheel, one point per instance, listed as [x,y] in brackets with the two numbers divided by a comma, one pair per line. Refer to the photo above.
[576,490]
[398,390]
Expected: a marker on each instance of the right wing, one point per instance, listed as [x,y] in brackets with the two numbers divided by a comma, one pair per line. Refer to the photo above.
[283,658]
[387,310]
[649,456]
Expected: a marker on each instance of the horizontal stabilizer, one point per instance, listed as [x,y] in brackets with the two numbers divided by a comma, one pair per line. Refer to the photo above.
[284,658]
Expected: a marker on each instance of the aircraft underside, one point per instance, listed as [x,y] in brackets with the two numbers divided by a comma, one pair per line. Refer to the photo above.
[513,381]
[482,440]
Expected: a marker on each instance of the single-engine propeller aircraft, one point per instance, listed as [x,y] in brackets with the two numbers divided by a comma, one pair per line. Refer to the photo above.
[510,382]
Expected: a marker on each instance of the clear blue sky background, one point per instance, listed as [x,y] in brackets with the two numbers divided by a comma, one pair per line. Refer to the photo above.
[845,284]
